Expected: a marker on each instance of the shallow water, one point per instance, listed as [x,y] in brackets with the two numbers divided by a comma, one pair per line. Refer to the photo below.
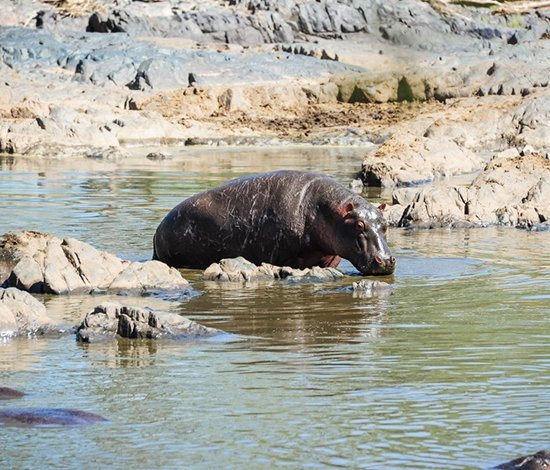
[452,371]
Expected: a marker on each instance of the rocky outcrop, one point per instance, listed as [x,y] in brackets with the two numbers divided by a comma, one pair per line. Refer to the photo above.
[239,270]
[112,320]
[405,159]
[43,263]
[512,189]
[22,314]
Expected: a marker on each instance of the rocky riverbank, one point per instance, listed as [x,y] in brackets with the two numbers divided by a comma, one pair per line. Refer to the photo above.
[430,92]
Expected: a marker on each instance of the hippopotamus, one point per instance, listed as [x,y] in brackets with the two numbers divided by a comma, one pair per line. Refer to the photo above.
[26,417]
[7,393]
[286,218]
[537,461]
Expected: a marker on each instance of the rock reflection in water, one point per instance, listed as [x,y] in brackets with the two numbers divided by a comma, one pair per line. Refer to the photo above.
[121,353]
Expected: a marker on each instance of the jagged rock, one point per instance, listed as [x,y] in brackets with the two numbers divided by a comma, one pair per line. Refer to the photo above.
[22,314]
[43,263]
[511,190]
[112,320]
[406,159]
[240,269]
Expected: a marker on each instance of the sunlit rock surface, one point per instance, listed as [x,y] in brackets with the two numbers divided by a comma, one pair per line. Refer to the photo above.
[112,320]
[43,263]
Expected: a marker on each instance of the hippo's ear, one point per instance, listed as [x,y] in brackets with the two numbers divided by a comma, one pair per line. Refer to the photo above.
[344,210]
[382,207]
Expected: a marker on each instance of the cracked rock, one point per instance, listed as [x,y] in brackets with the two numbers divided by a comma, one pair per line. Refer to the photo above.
[43,263]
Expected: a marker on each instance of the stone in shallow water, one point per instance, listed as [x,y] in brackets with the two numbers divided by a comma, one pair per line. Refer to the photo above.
[239,269]
[22,314]
[43,263]
[112,320]
[370,288]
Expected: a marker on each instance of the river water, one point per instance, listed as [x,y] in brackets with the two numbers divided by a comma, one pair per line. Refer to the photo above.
[452,371]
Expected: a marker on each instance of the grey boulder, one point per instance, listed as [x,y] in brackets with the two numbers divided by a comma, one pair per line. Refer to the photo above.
[239,270]
[112,320]
[22,314]
[43,263]
[512,189]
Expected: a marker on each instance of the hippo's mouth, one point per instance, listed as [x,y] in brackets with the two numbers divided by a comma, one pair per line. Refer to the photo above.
[378,267]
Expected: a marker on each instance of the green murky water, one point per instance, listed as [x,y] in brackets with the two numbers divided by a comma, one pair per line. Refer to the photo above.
[450,372]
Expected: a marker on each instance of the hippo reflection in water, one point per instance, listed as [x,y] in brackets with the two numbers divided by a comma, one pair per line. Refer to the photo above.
[538,461]
[28,417]
[286,218]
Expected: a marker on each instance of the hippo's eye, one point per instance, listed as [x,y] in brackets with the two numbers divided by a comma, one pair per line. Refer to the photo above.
[361,225]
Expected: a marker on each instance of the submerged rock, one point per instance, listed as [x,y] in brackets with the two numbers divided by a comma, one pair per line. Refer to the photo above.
[537,461]
[29,417]
[369,288]
[239,269]
[22,314]
[43,263]
[112,320]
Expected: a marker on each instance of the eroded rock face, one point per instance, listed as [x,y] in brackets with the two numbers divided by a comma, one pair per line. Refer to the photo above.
[43,263]
[240,269]
[22,314]
[406,159]
[112,320]
[511,190]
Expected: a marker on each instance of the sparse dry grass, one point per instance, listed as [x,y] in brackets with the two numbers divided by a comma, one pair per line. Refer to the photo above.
[75,7]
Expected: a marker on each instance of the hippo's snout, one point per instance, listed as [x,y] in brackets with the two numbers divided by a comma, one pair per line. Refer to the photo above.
[380,266]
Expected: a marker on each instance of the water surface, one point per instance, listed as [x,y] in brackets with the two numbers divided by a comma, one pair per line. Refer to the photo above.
[452,371]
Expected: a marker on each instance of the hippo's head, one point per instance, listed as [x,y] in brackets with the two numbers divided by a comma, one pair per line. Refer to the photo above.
[362,239]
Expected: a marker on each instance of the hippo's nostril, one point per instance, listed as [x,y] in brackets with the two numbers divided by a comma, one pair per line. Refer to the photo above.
[392,260]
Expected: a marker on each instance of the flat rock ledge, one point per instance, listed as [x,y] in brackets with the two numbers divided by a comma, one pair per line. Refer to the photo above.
[405,159]
[43,263]
[21,314]
[112,320]
[239,270]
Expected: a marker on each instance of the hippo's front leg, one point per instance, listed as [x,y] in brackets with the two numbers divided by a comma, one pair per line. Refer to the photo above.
[315,258]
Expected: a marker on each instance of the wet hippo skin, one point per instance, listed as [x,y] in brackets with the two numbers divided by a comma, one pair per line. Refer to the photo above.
[538,461]
[7,393]
[28,417]
[287,218]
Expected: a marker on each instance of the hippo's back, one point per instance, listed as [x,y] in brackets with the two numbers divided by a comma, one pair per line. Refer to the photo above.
[261,217]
